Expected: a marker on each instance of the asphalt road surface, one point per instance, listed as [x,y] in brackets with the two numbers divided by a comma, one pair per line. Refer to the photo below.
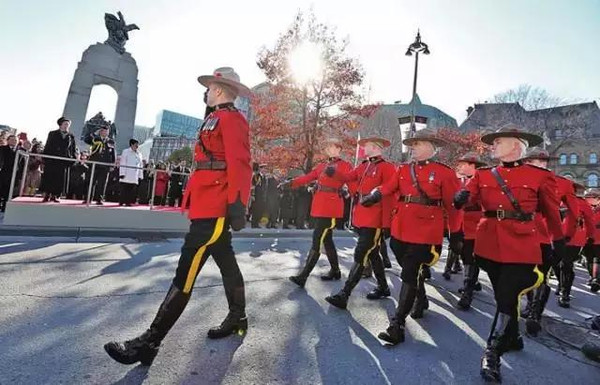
[61,301]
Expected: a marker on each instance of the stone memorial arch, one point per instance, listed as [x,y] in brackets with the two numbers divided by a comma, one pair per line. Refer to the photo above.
[106,63]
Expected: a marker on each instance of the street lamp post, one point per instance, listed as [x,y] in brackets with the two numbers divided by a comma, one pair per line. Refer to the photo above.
[416,47]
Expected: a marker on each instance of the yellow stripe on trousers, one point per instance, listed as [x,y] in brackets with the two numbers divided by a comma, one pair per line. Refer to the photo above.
[193,271]
[538,282]
[325,233]
[436,257]
[375,243]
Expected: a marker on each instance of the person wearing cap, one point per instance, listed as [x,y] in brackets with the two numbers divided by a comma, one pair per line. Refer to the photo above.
[538,298]
[61,143]
[507,240]
[465,168]
[129,176]
[327,208]
[426,188]
[592,250]
[369,221]
[100,151]
[217,193]
[584,235]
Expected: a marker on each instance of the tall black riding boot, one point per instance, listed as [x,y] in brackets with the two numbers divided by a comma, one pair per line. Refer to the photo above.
[471,273]
[236,320]
[334,272]
[311,261]
[497,345]
[595,282]
[451,257]
[385,257]
[340,300]
[540,298]
[421,301]
[566,281]
[528,306]
[145,347]
[394,334]
[382,290]
[557,272]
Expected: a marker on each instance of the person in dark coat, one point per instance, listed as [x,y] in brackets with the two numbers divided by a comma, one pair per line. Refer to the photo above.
[259,194]
[287,207]
[303,200]
[177,182]
[145,186]
[79,174]
[8,154]
[101,151]
[273,196]
[59,143]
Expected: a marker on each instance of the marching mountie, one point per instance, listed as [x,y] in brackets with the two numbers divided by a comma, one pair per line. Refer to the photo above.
[426,188]
[273,198]
[369,221]
[507,240]
[101,151]
[584,234]
[327,208]
[466,167]
[218,191]
[538,297]
[592,251]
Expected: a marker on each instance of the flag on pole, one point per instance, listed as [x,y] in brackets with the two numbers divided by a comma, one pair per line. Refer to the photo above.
[360,152]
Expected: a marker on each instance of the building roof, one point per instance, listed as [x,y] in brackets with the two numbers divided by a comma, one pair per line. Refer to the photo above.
[436,118]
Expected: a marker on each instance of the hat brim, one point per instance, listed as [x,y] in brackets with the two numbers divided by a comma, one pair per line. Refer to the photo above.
[431,139]
[541,157]
[475,162]
[591,195]
[382,142]
[532,139]
[241,89]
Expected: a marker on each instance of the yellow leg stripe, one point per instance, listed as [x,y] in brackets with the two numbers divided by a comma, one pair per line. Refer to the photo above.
[189,281]
[325,232]
[538,282]
[436,256]
[375,244]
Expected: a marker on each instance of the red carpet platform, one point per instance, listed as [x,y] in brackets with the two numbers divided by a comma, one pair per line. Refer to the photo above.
[30,211]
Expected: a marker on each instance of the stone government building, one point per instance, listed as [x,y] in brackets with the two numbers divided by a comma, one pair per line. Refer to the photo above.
[572,132]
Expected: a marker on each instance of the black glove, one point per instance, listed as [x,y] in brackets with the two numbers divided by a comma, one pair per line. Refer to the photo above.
[590,242]
[461,198]
[560,248]
[386,233]
[456,241]
[370,199]
[330,171]
[237,215]
[121,176]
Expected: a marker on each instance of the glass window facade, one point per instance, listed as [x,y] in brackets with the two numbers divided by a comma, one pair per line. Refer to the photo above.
[169,123]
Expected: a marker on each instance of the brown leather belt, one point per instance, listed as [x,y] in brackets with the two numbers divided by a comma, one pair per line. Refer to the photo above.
[504,214]
[208,165]
[326,188]
[472,208]
[419,200]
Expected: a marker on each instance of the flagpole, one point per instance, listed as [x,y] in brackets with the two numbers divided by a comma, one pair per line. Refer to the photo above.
[352,196]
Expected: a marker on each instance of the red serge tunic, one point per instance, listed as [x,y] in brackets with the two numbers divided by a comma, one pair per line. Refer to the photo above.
[418,223]
[471,217]
[369,175]
[327,202]
[509,240]
[584,224]
[224,136]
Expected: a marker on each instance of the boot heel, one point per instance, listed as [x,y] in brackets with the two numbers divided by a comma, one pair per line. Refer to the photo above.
[148,356]
[242,327]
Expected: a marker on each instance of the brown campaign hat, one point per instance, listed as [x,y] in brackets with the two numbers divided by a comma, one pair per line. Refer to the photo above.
[472,157]
[378,141]
[513,131]
[539,153]
[228,77]
[592,192]
[424,135]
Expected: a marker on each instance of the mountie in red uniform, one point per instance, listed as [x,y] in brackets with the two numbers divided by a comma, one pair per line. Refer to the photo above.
[217,193]
[584,234]
[327,206]
[369,223]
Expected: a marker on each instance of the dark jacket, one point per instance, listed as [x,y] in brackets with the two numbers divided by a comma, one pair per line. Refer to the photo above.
[58,145]
[7,161]
[100,151]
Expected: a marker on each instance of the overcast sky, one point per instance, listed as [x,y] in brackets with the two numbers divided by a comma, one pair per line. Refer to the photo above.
[478,48]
